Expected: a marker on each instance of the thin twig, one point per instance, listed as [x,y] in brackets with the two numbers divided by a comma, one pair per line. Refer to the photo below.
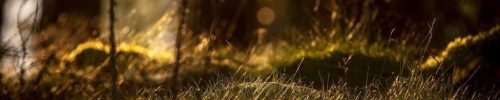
[112,54]
[429,36]
[178,44]
[298,68]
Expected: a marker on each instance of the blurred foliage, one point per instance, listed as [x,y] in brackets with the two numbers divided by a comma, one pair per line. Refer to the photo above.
[320,42]
[469,59]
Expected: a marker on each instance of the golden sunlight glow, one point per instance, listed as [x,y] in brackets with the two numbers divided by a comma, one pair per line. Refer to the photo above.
[159,36]
[122,47]
[459,73]
[433,61]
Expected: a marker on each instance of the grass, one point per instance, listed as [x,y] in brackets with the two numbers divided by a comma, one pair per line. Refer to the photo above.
[65,84]
[313,51]
[277,86]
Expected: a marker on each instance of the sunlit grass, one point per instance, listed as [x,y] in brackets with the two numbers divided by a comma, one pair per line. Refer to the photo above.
[260,80]
[456,50]
[281,87]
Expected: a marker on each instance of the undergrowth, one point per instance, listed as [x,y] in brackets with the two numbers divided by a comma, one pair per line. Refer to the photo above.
[276,86]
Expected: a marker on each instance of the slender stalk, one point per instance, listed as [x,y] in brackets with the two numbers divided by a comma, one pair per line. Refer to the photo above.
[175,88]
[112,54]
[429,38]
[23,46]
